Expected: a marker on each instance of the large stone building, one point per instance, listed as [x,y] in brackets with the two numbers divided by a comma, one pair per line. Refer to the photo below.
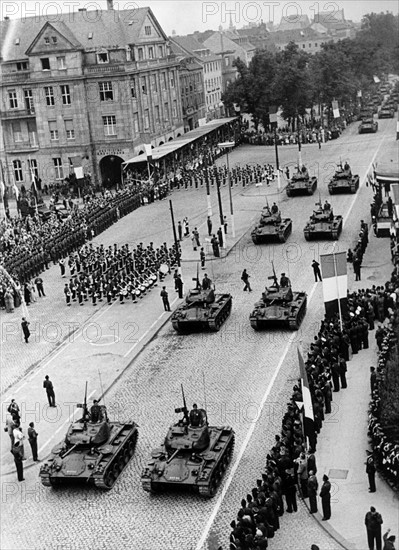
[212,73]
[191,75]
[88,88]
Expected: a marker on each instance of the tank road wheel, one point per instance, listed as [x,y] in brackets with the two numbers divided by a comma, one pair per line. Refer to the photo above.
[109,479]
[335,235]
[121,461]
[289,194]
[125,455]
[213,486]
[307,235]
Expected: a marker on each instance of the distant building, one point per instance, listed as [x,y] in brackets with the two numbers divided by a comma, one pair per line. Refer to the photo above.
[89,88]
[212,73]
[293,23]
[191,75]
[258,36]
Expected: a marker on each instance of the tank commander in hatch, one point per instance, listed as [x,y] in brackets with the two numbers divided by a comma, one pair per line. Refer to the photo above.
[195,416]
[95,412]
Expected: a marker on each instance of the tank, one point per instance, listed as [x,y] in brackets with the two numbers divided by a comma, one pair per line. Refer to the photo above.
[368,126]
[323,225]
[271,227]
[279,307]
[202,310]
[343,181]
[301,183]
[386,111]
[94,452]
[193,456]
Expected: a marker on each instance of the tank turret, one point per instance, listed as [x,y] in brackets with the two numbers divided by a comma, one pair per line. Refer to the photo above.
[323,223]
[279,306]
[271,227]
[193,455]
[343,180]
[93,450]
[301,183]
[202,309]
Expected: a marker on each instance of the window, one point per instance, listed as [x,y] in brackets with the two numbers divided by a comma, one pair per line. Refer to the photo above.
[52,124]
[303,45]
[172,80]
[133,88]
[147,30]
[146,119]
[128,53]
[102,57]
[106,93]
[154,83]
[16,132]
[109,123]
[166,111]
[49,93]
[164,81]
[22,66]
[45,63]
[33,169]
[47,40]
[90,36]
[227,61]
[65,94]
[141,54]
[61,62]
[315,44]
[143,85]
[174,108]
[151,52]
[160,51]
[54,39]
[58,168]
[69,129]
[157,113]
[17,41]
[12,97]
[18,175]
[29,100]
[136,122]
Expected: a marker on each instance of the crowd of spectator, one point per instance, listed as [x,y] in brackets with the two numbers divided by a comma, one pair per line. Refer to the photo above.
[291,460]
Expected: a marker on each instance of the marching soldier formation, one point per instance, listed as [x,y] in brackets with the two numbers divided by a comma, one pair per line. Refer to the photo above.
[100,273]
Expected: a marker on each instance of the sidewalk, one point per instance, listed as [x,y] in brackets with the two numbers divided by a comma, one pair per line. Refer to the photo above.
[342,444]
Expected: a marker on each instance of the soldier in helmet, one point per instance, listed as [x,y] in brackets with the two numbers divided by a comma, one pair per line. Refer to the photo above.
[95,411]
[284,281]
[195,416]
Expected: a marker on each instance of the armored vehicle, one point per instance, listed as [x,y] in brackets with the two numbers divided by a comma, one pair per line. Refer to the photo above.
[343,181]
[94,450]
[301,183]
[368,126]
[202,310]
[271,227]
[366,113]
[386,112]
[323,224]
[194,455]
[279,306]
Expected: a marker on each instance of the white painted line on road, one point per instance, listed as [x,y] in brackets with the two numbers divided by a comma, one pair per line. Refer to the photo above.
[146,332]
[67,421]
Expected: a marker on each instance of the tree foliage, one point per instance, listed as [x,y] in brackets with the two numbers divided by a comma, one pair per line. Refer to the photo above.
[295,80]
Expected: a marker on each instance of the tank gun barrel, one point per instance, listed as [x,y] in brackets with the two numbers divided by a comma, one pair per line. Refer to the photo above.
[172,456]
[274,277]
[69,450]
[183,409]
[84,406]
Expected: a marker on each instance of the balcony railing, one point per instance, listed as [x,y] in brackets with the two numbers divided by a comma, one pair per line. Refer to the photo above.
[20,146]
[17,113]
[95,69]
[15,77]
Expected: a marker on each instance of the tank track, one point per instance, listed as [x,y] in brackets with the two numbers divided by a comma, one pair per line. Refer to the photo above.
[146,484]
[119,461]
[209,490]
[294,324]
[216,322]
[283,236]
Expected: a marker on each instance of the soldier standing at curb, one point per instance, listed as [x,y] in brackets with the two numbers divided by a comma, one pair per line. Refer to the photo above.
[165,298]
[370,471]
[25,329]
[202,258]
[209,223]
[32,438]
[17,452]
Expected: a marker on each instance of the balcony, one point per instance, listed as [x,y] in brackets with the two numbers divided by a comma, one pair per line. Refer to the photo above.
[20,76]
[13,114]
[104,69]
[25,146]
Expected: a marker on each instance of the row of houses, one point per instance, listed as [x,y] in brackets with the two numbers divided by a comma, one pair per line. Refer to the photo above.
[91,88]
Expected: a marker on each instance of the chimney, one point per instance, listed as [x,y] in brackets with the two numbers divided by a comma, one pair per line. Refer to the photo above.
[110,4]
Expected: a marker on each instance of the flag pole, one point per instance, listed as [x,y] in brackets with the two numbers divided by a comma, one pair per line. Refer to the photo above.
[336,282]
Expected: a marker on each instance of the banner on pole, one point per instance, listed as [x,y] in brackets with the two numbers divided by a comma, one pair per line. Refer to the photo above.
[308,416]
[335,109]
[335,282]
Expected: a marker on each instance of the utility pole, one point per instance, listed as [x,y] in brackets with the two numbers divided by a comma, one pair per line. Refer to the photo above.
[227,145]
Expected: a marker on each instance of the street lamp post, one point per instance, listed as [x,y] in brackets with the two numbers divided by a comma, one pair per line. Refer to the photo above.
[175,238]
[229,145]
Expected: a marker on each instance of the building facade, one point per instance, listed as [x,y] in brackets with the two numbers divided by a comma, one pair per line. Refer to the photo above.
[89,89]
[191,75]
[212,74]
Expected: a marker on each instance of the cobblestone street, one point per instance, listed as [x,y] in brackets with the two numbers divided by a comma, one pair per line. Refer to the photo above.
[249,375]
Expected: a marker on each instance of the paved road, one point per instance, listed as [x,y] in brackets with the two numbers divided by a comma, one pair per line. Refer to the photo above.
[249,377]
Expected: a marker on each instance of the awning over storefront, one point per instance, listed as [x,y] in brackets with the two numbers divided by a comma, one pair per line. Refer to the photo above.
[387,174]
[181,141]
